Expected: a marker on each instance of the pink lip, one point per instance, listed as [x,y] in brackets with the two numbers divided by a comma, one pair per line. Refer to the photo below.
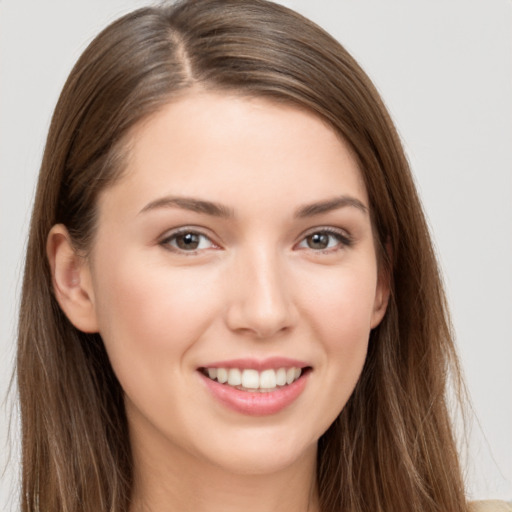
[273,363]
[254,403]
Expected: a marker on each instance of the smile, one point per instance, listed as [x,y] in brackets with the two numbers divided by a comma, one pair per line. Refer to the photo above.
[252,380]
[256,388]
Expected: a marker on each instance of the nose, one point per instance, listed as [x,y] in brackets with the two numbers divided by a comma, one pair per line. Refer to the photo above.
[261,303]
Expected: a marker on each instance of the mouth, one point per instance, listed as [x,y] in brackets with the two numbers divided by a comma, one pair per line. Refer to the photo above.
[256,387]
[255,381]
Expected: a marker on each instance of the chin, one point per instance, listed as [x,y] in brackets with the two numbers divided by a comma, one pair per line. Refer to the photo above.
[261,454]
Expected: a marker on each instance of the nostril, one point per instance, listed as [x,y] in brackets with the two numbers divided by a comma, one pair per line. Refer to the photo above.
[259,324]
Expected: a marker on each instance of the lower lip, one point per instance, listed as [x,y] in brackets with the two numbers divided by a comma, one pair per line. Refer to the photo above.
[255,403]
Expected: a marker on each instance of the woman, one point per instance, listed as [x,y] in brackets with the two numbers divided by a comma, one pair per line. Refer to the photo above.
[240,298]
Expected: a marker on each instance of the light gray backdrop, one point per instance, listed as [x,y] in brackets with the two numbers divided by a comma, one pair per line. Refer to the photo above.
[444,69]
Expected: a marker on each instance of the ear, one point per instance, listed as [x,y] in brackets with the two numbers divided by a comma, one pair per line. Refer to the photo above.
[381,302]
[71,280]
[382,292]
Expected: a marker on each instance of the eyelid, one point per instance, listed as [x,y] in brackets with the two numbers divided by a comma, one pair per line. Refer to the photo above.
[165,239]
[345,239]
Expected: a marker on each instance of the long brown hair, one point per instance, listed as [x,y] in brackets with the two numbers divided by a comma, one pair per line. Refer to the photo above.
[392,446]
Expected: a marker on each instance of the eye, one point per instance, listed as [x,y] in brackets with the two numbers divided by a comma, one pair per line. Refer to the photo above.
[325,240]
[187,241]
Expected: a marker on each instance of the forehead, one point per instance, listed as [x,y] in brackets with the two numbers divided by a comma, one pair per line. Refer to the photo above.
[232,148]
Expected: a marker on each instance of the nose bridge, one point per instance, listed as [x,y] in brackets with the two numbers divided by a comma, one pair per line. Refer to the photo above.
[262,303]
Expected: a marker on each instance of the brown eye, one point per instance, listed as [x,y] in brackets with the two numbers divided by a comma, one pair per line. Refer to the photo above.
[325,240]
[318,240]
[187,241]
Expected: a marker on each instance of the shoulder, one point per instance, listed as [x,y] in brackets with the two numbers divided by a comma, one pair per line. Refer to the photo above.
[490,506]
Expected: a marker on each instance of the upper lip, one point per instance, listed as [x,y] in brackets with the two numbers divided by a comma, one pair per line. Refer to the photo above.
[258,364]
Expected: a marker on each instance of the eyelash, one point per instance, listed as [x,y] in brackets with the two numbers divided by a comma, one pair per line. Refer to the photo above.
[167,241]
[342,238]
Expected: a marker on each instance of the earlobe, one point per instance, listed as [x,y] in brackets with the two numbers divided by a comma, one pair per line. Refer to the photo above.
[71,280]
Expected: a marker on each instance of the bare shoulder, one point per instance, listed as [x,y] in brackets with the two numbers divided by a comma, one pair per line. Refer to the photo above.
[490,506]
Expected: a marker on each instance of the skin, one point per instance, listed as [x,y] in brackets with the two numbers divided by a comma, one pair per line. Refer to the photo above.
[256,286]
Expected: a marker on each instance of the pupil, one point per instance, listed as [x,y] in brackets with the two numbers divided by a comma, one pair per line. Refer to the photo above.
[188,241]
[318,241]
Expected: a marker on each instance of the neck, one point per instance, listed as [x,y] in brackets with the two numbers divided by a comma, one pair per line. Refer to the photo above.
[168,479]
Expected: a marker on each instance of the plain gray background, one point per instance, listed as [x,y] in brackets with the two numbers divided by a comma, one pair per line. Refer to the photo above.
[444,68]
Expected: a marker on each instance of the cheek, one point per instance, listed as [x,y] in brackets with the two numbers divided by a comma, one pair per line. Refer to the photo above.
[149,317]
[341,306]
[341,312]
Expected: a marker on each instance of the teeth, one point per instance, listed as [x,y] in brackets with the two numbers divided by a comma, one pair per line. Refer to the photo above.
[222,375]
[250,379]
[234,377]
[281,377]
[268,379]
[253,380]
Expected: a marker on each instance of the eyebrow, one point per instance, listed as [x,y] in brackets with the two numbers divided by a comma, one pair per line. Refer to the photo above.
[191,204]
[310,210]
[219,210]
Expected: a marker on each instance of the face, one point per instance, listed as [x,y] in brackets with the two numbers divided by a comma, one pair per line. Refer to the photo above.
[237,245]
